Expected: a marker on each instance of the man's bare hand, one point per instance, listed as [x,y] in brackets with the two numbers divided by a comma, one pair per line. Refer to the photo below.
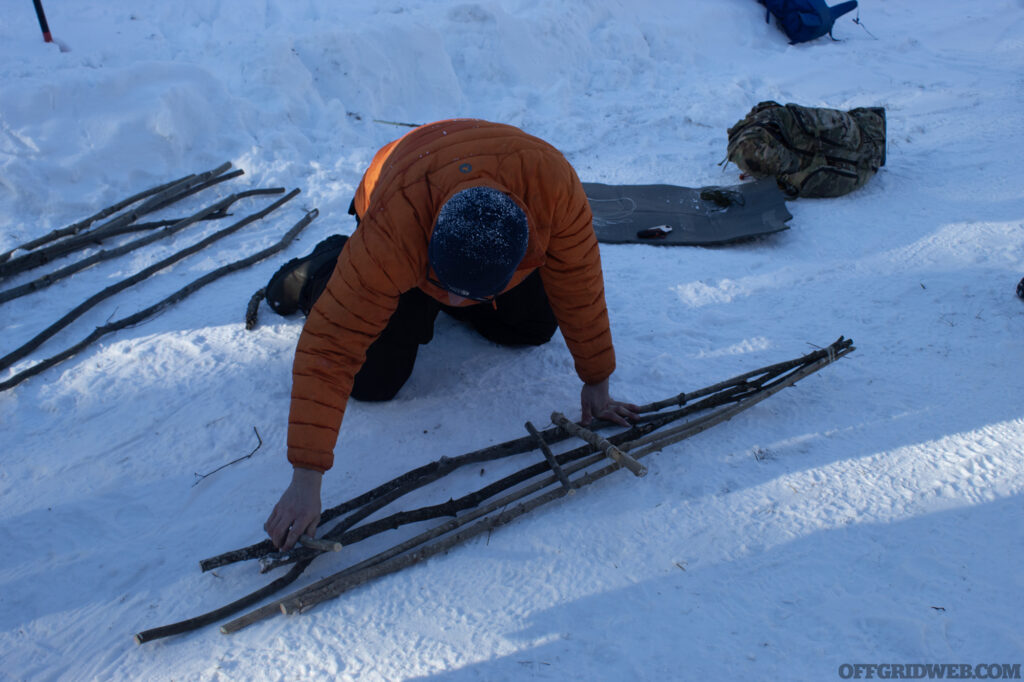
[597,404]
[297,512]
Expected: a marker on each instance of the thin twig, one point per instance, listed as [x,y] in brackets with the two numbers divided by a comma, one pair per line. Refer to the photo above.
[400,124]
[259,445]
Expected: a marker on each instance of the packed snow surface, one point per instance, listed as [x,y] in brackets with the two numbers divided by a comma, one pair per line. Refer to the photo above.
[871,514]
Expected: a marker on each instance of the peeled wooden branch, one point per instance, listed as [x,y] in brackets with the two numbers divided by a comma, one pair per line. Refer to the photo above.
[158,307]
[550,457]
[320,544]
[600,443]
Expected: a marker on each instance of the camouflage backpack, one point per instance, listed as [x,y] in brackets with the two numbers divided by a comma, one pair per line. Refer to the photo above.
[810,152]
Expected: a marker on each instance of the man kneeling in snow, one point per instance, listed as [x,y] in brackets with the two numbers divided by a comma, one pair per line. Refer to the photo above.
[476,218]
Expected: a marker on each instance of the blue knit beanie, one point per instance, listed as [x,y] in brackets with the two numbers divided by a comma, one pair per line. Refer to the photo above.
[479,239]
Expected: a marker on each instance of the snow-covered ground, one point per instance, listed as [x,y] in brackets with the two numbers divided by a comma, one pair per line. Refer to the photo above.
[873,514]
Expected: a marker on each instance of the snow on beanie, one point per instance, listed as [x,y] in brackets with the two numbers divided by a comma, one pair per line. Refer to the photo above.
[479,239]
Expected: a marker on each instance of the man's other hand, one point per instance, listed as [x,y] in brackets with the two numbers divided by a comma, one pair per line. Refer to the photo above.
[597,404]
[297,512]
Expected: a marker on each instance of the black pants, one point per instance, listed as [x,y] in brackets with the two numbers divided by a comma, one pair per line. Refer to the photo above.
[521,317]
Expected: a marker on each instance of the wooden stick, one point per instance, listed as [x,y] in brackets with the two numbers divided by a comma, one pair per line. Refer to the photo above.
[475,511]
[315,547]
[600,443]
[179,295]
[320,543]
[377,565]
[692,428]
[85,240]
[331,582]
[213,616]
[550,457]
[277,559]
[307,599]
[204,181]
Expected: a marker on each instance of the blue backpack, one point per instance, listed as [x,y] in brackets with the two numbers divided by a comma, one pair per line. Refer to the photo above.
[804,20]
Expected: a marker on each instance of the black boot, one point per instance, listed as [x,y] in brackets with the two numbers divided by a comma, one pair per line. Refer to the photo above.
[292,286]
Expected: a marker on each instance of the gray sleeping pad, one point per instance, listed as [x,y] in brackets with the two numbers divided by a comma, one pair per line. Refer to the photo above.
[686,216]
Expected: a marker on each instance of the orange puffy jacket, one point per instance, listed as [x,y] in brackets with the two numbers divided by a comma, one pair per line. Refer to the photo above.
[398,201]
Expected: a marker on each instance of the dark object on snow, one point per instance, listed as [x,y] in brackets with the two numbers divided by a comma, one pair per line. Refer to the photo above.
[803,20]
[811,152]
[1020,288]
[685,216]
[297,284]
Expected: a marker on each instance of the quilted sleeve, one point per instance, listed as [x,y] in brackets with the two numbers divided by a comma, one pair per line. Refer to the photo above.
[360,298]
[575,284]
